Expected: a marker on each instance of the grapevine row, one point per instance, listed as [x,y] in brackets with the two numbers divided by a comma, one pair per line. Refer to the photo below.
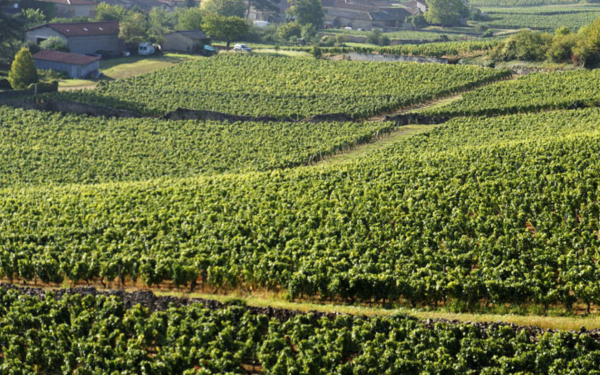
[96,334]
[281,87]
[498,210]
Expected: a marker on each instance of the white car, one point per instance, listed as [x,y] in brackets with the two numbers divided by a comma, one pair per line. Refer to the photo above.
[146,49]
[241,48]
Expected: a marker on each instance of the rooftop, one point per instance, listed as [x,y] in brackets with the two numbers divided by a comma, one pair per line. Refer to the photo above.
[64,57]
[83,28]
[192,34]
[70,2]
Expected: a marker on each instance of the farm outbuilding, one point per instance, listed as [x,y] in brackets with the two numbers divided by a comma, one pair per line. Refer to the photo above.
[74,65]
[81,37]
[185,41]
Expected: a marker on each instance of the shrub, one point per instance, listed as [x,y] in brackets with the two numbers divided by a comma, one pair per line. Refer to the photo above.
[316,52]
[22,71]
[487,34]
[289,30]
[54,43]
[32,47]
[44,87]
[4,84]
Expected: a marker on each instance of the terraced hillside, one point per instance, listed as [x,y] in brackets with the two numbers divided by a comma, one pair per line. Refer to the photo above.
[284,87]
[530,93]
[38,148]
[477,209]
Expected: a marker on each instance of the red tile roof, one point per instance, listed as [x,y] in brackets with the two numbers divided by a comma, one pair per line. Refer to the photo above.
[70,2]
[64,57]
[84,28]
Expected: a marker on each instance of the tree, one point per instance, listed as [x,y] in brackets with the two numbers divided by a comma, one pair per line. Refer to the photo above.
[33,17]
[54,43]
[446,12]
[561,48]
[376,37]
[587,50]
[262,5]
[224,28]
[307,12]
[288,30]
[22,72]
[159,22]
[190,19]
[225,8]
[418,20]
[106,12]
[134,29]
[11,34]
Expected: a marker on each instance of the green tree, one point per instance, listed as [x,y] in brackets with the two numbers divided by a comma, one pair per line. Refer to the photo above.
[159,22]
[225,8]
[134,29]
[307,12]
[225,28]
[288,30]
[587,50]
[10,34]
[190,19]
[561,48]
[54,43]
[33,17]
[526,45]
[446,12]
[106,12]
[262,5]
[22,72]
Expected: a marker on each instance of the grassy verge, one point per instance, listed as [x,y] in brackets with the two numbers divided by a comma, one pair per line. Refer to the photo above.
[124,67]
[378,144]
[573,323]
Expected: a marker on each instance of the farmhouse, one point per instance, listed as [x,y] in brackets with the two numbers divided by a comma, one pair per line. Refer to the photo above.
[81,37]
[274,14]
[415,6]
[343,13]
[74,65]
[185,41]
[73,8]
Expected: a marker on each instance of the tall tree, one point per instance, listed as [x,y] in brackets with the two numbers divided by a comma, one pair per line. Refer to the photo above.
[107,12]
[224,28]
[33,17]
[22,72]
[446,12]
[307,12]
[262,5]
[134,29]
[11,34]
[225,8]
[190,19]
[160,21]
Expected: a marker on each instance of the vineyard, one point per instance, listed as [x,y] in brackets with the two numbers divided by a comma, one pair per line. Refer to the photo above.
[105,150]
[521,3]
[495,208]
[542,18]
[530,93]
[98,334]
[245,86]
[500,210]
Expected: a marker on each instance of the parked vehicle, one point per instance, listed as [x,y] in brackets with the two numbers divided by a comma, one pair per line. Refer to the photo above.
[146,49]
[241,48]
[208,50]
[261,23]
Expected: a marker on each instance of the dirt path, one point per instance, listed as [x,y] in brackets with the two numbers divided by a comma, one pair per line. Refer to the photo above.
[378,144]
[417,107]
